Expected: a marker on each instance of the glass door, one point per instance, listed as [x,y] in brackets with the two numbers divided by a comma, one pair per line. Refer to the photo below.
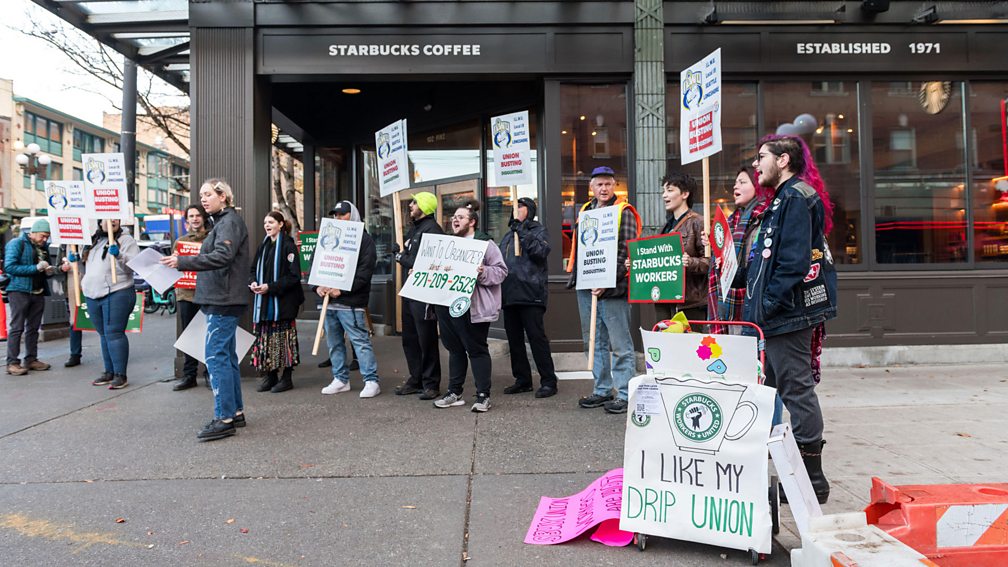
[451,195]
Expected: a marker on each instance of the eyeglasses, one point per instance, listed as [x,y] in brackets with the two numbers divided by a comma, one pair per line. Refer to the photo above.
[460,217]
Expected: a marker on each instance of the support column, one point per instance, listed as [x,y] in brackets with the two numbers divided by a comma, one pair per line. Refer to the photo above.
[310,190]
[649,111]
[127,126]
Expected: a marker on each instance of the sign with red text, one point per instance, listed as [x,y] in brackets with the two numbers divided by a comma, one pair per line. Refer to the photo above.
[557,520]
[723,250]
[700,108]
[393,161]
[511,151]
[183,248]
[597,247]
[105,186]
[69,230]
[336,251]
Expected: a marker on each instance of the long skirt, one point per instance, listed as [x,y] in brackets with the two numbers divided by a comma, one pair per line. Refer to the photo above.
[276,346]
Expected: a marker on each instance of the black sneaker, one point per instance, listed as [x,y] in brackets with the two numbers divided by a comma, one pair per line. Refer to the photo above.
[238,420]
[104,379]
[545,392]
[216,429]
[616,406]
[118,382]
[482,404]
[325,363]
[517,388]
[594,401]
[430,394]
[406,389]
[74,360]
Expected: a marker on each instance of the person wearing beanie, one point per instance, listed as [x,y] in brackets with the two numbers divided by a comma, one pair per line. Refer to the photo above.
[419,335]
[26,261]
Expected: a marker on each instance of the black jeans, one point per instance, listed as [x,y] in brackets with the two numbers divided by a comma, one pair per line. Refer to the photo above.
[527,320]
[25,318]
[420,345]
[789,369]
[466,342]
[187,310]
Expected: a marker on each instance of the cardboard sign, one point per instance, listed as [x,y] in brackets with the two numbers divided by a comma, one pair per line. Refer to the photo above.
[657,274]
[512,154]
[445,270]
[695,462]
[393,161]
[306,249]
[723,248]
[597,247]
[701,355]
[700,109]
[183,248]
[105,186]
[82,319]
[557,520]
[335,261]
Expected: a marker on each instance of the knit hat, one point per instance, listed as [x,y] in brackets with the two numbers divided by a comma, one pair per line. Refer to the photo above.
[426,201]
[528,204]
[41,225]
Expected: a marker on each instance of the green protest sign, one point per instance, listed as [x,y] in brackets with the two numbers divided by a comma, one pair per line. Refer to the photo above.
[82,322]
[657,274]
[306,247]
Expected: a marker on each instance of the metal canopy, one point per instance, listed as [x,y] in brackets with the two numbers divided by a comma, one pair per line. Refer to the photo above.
[153,33]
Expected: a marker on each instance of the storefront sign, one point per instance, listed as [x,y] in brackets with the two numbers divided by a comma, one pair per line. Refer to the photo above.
[598,239]
[335,261]
[657,274]
[183,248]
[701,355]
[393,162]
[306,249]
[512,155]
[105,186]
[404,50]
[444,272]
[82,320]
[700,108]
[723,249]
[695,462]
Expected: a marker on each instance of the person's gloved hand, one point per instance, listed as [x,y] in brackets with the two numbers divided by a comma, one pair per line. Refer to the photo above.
[42,265]
[114,250]
[395,248]
[515,224]
[71,257]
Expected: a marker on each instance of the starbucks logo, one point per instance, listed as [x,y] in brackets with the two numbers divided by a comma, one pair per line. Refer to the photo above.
[719,235]
[459,307]
[655,293]
[640,420]
[698,417]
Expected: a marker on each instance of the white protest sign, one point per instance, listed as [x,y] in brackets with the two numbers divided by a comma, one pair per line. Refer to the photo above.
[335,261]
[695,462]
[393,160]
[700,108]
[192,341]
[444,272]
[66,198]
[105,186]
[512,155]
[598,237]
[701,355]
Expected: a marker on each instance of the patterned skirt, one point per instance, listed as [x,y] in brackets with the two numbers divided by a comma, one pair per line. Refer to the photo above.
[276,346]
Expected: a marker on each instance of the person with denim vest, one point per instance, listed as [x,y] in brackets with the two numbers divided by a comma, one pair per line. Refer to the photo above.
[26,261]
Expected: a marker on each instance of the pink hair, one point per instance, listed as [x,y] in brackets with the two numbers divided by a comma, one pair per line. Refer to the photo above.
[804,166]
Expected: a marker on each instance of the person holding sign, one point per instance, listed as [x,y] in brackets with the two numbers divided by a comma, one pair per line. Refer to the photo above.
[220,292]
[109,303]
[196,232]
[614,362]
[419,334]
[76,337]
[26,261]
[677,194]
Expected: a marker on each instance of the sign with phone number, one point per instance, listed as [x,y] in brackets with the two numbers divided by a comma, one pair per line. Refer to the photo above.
[438,280]
[444,272]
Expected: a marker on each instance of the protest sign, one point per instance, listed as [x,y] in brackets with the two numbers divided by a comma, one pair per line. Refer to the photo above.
[393,161]
[335,260]
[557,520]
[512,155]
[69,230]
[82,320]
[723,248]
[701,355]
[184,248]
[695,462]
[598,236]
[105,186]
[66,198]
[700,109]
[192,341]
[306,249]
[657,274]
[444,272]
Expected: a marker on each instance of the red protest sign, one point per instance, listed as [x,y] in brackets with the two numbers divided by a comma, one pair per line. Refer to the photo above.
[723,249]
[182,248]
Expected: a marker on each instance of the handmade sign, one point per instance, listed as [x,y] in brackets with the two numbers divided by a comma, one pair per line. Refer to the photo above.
[82,320]
[598,236]
[701,355]
[700,109]
[335,261]
[183,248]
[105,186]
[557,520]
[393,161]
[723,248]
[512,155]
[695,462]
[306,249]
[444,272]
[657,274]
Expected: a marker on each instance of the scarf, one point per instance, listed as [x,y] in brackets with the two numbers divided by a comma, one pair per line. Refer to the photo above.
[741,222]
[273,302]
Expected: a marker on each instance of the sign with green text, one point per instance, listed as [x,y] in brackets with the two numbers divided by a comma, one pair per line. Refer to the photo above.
[82,321]
[657,274]
[306,248]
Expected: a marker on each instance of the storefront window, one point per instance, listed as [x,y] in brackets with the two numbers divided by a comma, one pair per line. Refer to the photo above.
[593,133]
[499,198]
[920,197]
[825,115]
[987,105]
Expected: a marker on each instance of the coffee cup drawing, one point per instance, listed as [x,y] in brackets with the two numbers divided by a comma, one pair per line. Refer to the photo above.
[701,414]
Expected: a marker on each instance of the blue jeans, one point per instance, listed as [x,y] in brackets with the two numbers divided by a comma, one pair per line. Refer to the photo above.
[110,315]
[351,322]
[222,365]
[612,333]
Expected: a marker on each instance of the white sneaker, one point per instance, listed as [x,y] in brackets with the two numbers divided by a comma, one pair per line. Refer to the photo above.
[371,389]
[449,400]
[336,387]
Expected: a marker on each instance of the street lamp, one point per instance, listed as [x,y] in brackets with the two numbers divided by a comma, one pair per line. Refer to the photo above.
[33,162]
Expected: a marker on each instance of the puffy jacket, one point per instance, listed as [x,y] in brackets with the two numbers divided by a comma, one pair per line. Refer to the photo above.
[528,274]
[690,227]
[223,261]
[411,244]
[284,297]
[20,259]
[791,281]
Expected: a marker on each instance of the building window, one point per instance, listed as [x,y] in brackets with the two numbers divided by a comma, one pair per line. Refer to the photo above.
[987,107]
[53,172]
[78,174]
[84,143]
[46,133]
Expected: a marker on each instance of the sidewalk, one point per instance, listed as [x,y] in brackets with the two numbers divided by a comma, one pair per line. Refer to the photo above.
[337,480]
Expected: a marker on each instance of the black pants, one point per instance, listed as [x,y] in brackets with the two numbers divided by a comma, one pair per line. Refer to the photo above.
[187,310]
[789,369]
[465,342]
[420,345]
[527,320]
[25,318]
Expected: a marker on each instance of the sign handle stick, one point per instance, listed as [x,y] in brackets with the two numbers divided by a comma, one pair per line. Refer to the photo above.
[112,259]
[76,279]
[397,218]
[514,205]
[591,334]
[321,324]
[706,206]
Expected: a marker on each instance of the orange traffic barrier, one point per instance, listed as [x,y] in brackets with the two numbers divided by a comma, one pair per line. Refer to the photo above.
[955,525]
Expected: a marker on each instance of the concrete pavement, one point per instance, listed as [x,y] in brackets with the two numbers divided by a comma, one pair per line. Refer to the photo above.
[337,480]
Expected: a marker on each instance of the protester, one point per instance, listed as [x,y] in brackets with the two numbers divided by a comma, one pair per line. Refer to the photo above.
[354,365]
[791,288]
[677,194]
[419,325]
[275,279]
[196,231]
[220,293]
[26,261]
[612,329]
[465,335]
[76,337]
[524,294]
[109,304]
[346,315]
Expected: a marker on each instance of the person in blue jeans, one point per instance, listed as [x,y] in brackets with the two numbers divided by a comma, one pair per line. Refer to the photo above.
[76,337]
[346,315]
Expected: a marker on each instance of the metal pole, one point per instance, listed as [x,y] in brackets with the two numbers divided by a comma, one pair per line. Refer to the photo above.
[31,196]
[127,127]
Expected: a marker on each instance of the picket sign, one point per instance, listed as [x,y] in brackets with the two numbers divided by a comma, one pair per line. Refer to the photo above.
[335,262]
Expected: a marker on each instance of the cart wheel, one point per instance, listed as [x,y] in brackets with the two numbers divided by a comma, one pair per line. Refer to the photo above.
[172,304]
[640,540]
[774,491]
[753,556]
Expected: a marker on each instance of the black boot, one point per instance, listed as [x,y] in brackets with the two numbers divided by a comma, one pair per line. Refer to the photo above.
[811,454]
[285,382]
[268,381]
[185,384]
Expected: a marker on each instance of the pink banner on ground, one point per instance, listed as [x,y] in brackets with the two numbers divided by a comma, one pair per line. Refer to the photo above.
[558,520]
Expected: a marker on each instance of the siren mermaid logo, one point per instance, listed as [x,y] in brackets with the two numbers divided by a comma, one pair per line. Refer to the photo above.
[57,196]
[589,231]
[384,146]
[655,293]
[719,235]
[330,237]
[692,89]
[95,171]
[502,134]
[459,307]
[698,417]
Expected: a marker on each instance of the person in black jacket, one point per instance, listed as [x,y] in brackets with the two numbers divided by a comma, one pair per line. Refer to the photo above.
[419,334]
[275,279]
[524,294]
[346,314]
